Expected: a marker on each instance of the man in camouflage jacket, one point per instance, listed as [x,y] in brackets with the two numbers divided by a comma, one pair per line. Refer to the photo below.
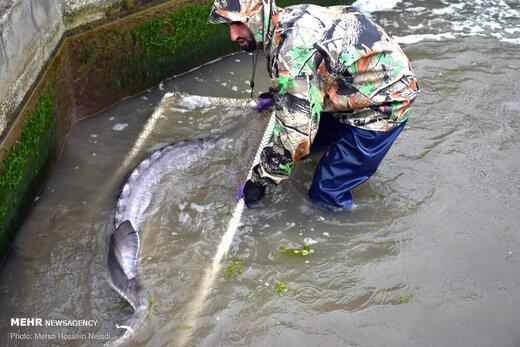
[324,61]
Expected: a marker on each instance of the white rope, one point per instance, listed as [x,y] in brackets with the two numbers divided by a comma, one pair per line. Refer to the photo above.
[211,273]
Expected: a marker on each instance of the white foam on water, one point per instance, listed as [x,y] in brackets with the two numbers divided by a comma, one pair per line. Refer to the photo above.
[119,126]
[512,30]
[184,217]
[192,102]
[376,5]
[508,40]
[420,26]
[416,10]
[179,110]
[197,208]
[451,9]
[494,25]
[409,39]
[462,27]
[309,241]
[447,20]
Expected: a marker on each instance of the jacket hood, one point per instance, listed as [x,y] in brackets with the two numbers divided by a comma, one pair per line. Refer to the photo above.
[253,13]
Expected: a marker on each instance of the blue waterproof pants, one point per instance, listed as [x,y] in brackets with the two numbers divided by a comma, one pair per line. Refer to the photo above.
[351,159]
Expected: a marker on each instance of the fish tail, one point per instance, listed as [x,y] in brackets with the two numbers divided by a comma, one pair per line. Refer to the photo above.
[122,264]
[131,324]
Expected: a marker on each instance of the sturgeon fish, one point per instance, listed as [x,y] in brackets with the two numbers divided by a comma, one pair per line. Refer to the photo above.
[133,201]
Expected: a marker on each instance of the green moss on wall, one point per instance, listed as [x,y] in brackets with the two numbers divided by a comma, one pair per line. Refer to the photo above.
[25,166]
[179,31]
[179,41]
[139,52]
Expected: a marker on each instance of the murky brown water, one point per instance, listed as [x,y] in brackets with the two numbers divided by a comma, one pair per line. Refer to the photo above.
[430,256]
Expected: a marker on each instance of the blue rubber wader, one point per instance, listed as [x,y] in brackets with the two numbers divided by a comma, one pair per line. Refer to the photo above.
[351,160]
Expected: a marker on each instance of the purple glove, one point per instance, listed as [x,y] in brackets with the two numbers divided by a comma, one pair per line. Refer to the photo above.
[240,192]
[264,101]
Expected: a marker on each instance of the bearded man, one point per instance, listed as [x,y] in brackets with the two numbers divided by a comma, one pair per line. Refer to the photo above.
[330,67]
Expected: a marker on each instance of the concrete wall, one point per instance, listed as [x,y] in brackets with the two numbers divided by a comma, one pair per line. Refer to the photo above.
[30,30]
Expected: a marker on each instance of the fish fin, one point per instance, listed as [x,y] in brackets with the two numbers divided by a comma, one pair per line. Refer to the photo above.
[125,246]
[130,290]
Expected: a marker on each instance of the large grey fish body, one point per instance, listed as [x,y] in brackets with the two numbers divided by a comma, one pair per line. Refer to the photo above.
[136,195]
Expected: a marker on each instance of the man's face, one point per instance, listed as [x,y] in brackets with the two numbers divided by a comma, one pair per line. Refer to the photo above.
[240,34]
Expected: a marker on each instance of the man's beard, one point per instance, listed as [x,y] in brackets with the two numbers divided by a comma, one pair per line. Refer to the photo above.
[251,46]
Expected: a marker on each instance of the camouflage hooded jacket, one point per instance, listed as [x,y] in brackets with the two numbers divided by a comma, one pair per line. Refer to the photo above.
[332,59]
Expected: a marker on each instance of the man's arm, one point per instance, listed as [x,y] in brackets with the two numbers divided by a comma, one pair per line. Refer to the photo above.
[298,104]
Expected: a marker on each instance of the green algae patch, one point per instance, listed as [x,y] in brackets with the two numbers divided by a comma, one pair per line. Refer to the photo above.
[303,251]
[183,328]
[150,305]
[25,167]
[404,299]
[234,268]
[335,221]
[281,287]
